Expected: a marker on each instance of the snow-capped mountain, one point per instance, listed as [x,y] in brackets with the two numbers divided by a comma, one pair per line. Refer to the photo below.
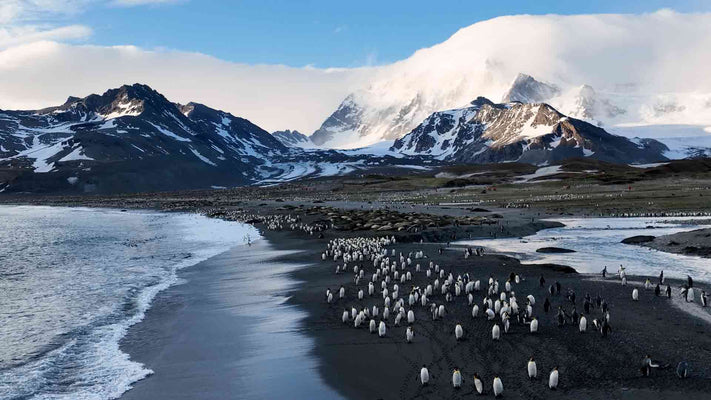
[132,138]
[570,62]
[485,132]
[291,138]
[526,89]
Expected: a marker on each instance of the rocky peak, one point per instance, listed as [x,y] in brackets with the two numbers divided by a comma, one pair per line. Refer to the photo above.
[526,89]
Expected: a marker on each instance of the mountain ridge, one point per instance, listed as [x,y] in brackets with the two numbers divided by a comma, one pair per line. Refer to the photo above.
[486,132]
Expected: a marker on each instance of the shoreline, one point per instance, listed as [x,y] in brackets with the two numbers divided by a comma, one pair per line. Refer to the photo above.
[197,336]
[341,356]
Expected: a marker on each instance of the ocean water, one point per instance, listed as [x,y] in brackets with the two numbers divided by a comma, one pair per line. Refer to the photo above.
[73,280]
[597,242]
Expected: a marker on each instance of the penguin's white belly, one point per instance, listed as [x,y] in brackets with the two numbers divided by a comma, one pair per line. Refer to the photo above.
[532,370]
[495,332]
[424,376]
[553,380]
[457,379]
[498,387]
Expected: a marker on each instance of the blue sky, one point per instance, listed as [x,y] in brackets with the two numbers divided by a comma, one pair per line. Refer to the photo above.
[320,33]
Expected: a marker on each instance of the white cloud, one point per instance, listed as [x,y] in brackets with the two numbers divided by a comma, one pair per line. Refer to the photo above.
[17,11]
[41,74]
[14,35]
[643,61]
[646,55]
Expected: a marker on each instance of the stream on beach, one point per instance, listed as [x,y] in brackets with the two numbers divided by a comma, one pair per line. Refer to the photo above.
[597,243]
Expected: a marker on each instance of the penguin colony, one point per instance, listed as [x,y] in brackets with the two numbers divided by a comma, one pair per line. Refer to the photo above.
[390,280]
[385,277]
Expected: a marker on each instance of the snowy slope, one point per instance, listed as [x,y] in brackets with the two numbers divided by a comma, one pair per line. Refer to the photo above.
[291,138]
[133,138]
[486,132]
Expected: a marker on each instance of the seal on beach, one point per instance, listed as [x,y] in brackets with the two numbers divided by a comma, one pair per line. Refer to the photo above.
[532,369]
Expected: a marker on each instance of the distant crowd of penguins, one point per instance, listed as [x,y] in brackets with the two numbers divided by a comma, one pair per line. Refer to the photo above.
[500,303]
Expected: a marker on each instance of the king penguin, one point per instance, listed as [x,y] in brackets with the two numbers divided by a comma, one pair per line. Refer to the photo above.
[458,332]
[496,332]
[456,378]
[532,370]
[553,379]
[478,384]
[424,375]
[498,387]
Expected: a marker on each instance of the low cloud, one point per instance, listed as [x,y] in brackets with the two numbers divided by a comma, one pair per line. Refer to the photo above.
[41,74]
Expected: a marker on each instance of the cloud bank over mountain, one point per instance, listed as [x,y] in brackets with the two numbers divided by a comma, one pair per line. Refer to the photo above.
[662,56]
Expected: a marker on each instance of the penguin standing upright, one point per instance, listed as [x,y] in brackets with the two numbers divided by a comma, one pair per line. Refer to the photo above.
[458,332]
[534,325]
[635,294]
[496,332]
[382,329]
[546,305]
[498,387]
[583,325]
[703,298]
[456,378]
[532,370]
[553,379]
[409,334]
[478,384]
[424,375]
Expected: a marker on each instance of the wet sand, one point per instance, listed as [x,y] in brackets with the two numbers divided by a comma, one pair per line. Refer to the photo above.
[210,337]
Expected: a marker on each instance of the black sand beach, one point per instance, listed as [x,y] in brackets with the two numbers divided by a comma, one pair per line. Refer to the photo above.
[187,337]
[360,365]
[201,340]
